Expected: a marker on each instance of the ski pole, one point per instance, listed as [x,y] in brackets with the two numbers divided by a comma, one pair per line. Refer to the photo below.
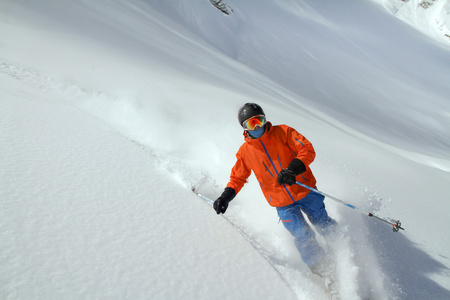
[395,226]
[203,197]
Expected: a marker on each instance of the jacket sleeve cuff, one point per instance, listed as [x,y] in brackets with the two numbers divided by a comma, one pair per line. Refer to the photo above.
[228,194]
[297,166]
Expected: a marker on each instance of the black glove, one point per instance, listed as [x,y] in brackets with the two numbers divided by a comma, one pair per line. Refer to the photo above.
[221,204]
[287,176]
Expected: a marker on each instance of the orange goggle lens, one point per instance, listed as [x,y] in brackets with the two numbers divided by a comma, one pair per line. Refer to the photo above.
[253,122]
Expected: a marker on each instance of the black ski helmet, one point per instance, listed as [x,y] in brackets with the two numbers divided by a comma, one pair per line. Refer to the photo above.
[249,110]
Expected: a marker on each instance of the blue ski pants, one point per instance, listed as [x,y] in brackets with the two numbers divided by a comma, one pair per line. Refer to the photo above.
[293,220]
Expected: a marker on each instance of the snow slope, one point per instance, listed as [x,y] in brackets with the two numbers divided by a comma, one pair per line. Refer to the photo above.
[112,110]
[86,213]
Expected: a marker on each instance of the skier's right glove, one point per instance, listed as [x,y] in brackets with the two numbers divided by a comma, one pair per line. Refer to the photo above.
[221,204]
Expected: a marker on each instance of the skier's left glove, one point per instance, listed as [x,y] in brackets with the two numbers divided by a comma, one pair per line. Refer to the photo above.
[287,176]
[221,204]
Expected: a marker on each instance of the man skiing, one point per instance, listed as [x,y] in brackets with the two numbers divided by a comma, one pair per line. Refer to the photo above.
[279,156]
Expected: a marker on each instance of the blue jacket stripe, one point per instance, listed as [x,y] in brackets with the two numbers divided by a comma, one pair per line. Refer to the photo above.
[268,169]
[300,142]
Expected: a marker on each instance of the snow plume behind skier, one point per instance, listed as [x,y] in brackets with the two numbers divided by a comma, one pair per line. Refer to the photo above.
[279,156]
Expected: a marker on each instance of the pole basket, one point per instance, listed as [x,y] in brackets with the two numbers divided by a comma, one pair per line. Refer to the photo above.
[397,226]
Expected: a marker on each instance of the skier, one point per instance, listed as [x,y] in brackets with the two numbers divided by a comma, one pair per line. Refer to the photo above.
[279,156]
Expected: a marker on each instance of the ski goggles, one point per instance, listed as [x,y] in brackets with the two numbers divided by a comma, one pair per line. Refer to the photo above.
[254,122]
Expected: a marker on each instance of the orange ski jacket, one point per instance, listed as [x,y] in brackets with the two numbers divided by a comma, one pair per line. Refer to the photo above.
[267,156]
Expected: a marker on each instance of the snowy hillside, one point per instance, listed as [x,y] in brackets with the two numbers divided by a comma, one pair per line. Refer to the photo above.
[111,111]
[432,17]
